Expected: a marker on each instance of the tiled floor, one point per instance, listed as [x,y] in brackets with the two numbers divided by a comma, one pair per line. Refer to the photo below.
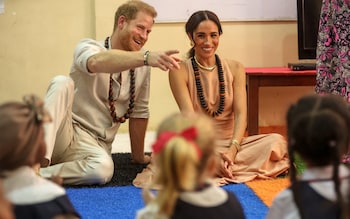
[121,143]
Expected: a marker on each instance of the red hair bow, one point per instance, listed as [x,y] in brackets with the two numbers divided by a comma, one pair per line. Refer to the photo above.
[189,134]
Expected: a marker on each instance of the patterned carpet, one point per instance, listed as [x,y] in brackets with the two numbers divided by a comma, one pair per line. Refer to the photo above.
[119,197]
[124,171]
[266,190]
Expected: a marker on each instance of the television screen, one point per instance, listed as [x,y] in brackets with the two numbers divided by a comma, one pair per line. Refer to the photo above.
[308,16]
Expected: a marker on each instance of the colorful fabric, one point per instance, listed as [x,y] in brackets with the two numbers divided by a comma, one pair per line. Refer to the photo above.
[333,53]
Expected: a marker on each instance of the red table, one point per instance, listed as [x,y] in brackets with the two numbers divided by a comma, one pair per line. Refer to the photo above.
[271,77]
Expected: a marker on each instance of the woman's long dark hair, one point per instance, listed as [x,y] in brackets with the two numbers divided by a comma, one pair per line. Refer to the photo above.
[195,19]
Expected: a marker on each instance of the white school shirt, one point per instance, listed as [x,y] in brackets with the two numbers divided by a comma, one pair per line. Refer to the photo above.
[283,206]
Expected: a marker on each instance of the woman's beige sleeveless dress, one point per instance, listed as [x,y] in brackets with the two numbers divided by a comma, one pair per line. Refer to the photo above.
[263,156]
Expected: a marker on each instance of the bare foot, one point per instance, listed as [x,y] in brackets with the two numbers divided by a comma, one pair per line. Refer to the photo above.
[56,179]
[146,160]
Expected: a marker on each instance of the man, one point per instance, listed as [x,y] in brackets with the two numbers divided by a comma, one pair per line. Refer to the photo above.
[108,84]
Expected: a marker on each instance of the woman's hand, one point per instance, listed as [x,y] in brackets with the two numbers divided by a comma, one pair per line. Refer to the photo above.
[231,153]
[226,162]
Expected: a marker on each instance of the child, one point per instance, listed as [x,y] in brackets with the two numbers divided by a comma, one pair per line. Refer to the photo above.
[185,158]
[318,131]
[22,146]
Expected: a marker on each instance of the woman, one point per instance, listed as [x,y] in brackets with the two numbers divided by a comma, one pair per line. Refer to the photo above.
[207,83]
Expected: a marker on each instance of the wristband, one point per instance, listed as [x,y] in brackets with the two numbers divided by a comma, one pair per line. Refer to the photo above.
[236,144]
[145,58]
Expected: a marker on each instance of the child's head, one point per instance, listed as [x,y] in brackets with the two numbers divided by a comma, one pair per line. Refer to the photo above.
[319,128]
[21,133]
[184,154]
[319,131]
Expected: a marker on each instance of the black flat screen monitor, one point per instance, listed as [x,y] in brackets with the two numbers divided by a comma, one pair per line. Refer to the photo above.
[308,16]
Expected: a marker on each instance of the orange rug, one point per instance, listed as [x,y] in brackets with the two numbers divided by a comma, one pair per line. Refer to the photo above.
[266,190]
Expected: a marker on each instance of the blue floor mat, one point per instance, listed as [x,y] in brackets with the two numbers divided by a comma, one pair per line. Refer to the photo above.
[253,207]
[124,201]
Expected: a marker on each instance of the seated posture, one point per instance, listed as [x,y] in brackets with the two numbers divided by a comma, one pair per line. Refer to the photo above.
[319,132]
[22,146]
[215,86]
[109,83]
[185,158]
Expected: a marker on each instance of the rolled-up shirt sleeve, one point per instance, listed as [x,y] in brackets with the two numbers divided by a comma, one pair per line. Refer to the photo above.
[83,51]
